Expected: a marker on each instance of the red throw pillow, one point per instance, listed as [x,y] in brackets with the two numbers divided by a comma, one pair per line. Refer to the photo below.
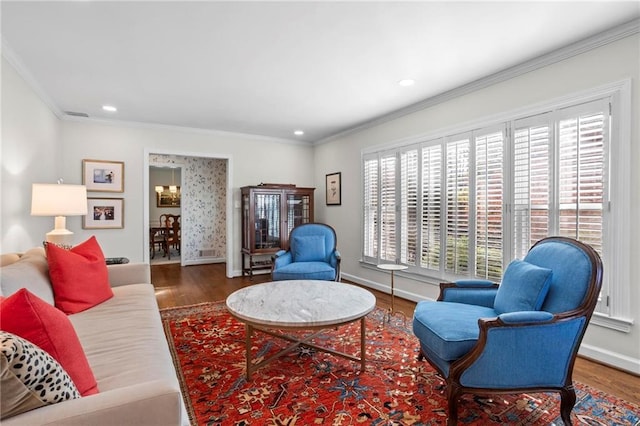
[26,315]
[79,276]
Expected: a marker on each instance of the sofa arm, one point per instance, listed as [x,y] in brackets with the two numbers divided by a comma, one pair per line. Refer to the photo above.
[129,273]
[151,403]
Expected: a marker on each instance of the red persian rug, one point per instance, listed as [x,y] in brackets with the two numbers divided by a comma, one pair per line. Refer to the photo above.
[308,387]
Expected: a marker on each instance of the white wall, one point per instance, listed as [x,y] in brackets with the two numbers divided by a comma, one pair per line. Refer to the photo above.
[30,151]
[252,160]
[613,62]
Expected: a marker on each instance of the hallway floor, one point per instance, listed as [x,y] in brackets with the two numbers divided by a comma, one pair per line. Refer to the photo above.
[159,259]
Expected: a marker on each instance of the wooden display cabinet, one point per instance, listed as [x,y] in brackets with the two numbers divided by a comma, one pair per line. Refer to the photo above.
[269,213]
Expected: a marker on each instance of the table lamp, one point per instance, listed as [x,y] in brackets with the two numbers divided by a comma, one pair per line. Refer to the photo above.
[59,200]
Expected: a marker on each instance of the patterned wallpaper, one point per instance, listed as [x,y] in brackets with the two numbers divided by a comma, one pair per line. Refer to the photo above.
[203,204]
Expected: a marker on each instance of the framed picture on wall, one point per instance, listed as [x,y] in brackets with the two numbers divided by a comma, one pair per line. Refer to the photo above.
[103,176]
[166,198]
[104,213]
[334,189]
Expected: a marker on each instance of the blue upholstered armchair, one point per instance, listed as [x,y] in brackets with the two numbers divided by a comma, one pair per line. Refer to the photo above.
[312,255]
[521,336]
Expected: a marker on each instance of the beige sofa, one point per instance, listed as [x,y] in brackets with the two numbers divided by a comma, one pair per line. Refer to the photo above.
[125,345]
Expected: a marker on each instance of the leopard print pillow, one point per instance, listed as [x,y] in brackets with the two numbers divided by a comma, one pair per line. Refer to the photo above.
[30,377]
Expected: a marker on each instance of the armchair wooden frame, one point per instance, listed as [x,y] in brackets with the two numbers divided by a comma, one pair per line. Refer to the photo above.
[567,392]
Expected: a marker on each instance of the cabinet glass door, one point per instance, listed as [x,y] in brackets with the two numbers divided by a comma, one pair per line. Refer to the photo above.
[298,210]
[267,221]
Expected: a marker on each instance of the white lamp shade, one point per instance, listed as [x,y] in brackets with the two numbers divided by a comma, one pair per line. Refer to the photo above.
[58,200]
[159,188]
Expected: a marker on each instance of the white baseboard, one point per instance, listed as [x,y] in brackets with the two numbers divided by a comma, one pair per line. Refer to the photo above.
[385,288]
[238,273]
[204,261]
[613,359]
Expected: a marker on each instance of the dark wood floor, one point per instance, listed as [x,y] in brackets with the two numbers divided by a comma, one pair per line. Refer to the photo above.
[181,286]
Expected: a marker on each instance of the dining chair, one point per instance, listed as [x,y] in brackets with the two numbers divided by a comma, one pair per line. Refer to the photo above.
[171,223]
[157,238]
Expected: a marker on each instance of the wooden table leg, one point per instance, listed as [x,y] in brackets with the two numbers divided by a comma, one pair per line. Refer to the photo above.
[362,344]
[247,345]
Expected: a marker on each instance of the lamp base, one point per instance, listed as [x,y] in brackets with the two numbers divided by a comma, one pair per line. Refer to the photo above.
[60,236]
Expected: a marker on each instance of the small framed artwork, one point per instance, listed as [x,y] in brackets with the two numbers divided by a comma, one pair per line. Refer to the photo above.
[166,198]
[103,176]
[104,213]
[334,189]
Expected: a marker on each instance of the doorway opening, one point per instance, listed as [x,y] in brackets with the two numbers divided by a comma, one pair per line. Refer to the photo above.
[164,209]
[205,205]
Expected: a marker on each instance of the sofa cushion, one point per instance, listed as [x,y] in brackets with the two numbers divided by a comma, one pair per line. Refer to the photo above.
[79,276]
[124,339]
[29,270]
[29,377]
[305,271]
[308,248]
[449,329]
[524,287]
[29,317]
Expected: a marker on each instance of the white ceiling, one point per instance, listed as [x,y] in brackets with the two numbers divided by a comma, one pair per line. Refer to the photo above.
[268,68]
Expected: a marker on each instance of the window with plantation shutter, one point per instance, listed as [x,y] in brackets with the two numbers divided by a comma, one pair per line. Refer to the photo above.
[531,184]
[457,206]
[388,208]
[409,206]
[430,224]
[370,204]
[567,199]
[489,198]
[463,205]
[581,173]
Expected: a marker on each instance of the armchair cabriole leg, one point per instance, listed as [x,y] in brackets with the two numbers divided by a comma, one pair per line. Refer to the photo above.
[567,401]
[453,394]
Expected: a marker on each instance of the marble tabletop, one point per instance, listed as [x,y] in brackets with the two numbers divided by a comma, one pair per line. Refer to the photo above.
[300,303]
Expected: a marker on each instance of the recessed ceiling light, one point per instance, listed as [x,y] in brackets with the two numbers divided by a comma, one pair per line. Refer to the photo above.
[298,133]
[407,82]
[109,108]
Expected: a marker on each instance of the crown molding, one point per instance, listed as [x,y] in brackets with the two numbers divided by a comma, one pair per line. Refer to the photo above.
[183,129]
[601,39]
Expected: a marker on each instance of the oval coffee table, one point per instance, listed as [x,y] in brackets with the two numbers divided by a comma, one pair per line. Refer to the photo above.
[300,305]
